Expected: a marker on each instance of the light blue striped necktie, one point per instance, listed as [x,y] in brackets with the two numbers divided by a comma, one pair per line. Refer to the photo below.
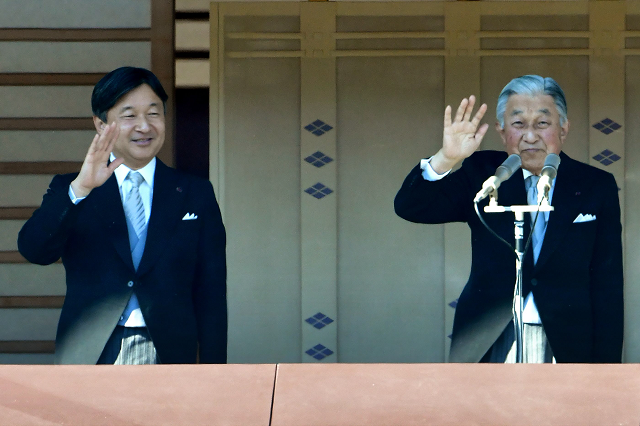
[541,224]
[137,229]
[133,207]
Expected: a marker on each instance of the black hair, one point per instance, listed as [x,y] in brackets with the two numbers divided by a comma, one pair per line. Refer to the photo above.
[118,83]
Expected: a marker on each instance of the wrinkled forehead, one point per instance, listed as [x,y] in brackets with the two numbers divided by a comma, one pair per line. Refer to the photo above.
[529,105]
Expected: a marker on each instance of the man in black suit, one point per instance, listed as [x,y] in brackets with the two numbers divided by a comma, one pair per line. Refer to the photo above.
[143,245]
[572,276]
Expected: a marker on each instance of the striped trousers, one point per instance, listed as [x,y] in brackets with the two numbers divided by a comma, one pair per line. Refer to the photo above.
[536,346]
[129,346]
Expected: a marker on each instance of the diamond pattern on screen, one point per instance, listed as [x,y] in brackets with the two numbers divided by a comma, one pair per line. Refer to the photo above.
[319,352]
[318,159]
[607,157]
[319,320]
[607,126]
[318,191]
[318,127]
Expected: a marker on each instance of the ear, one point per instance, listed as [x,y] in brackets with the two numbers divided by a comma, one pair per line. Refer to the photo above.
[564,129]
[500,131]
[99,124]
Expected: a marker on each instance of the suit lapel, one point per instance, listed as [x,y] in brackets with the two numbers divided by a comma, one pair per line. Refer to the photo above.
[108,207]
[566,203]
[167,205]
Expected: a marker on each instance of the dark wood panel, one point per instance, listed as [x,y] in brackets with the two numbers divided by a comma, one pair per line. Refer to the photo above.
[192,131]
[11,257]
[192,54]
[76,123]
[108,34]
[49,79]
[39,168]
[192,16]
[27,347]
[16,213]
[163,66]
[42,302]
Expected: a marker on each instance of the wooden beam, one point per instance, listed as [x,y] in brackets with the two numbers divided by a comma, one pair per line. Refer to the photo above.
[31,302]
[16,213]
[110,34]
[163,66]
[11,257]
[27,347]
[14,257]
[39,167]
[47,123]
[49,79]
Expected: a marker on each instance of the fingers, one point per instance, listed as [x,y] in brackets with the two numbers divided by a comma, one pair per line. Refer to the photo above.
[481,111]
[115,163]
[465,109]
[461,110]
[463,114]
[469,108]
[102,144]
[447,116]
[114,137]
[94,144]
[481,132]
[106,139]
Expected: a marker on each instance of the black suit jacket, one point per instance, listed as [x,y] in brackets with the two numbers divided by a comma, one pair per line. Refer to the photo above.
[180,282]
[578,280]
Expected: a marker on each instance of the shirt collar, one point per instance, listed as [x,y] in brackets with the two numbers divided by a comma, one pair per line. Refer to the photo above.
[147,172]
[525,172]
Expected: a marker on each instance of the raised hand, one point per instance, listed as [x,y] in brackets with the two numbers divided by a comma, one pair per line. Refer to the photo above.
[461,136]
[95,169]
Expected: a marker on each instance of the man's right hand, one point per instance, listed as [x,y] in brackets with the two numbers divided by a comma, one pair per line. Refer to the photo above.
[95,169]
[461,137]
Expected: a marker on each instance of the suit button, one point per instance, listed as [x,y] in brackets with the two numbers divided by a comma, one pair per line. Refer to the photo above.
[534,281]
[130,283]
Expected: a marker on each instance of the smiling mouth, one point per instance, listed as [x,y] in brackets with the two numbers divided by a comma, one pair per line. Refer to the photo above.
[144,141]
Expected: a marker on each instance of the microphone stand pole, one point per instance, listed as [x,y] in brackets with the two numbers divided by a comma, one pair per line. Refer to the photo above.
[518,299]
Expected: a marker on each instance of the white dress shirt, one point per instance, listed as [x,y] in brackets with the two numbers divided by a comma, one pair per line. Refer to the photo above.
[530,314]
[132,315]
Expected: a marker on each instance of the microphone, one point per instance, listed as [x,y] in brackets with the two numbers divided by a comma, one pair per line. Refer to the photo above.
[503,172]
[548,173]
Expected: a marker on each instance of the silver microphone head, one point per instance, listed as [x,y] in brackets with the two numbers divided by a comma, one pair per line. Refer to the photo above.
[551,164]
[508,167]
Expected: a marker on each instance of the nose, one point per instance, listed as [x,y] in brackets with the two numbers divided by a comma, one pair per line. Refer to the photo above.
[529,136]
[142,125]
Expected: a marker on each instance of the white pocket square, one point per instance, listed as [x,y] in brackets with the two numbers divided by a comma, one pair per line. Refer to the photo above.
[190,216]
[584,218]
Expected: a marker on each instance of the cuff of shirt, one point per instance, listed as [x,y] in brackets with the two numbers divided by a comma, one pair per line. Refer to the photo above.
[72,195]
[427,171]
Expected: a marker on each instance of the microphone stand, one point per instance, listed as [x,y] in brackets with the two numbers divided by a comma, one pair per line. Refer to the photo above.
[518,300]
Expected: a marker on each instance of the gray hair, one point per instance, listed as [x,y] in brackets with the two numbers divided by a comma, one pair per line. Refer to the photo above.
[532,85]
